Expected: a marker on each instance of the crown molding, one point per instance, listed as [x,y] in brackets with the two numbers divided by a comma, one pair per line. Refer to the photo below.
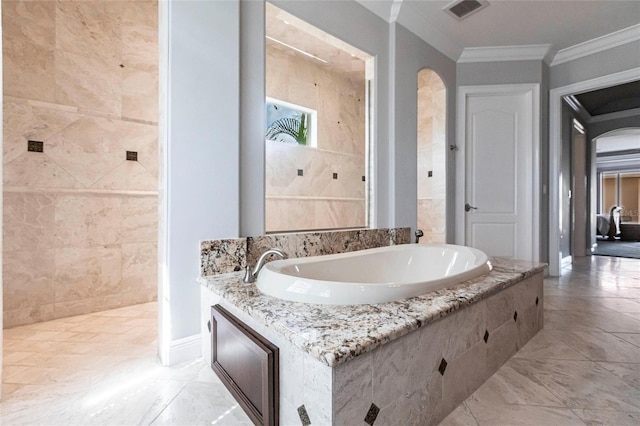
[532,52]
[615,115]
[609,41]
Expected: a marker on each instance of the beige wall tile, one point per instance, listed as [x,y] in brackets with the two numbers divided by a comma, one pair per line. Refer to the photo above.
[27,278]
[61,57]
[83,273]
[129,175]
[140,267]
[28,69]
[140,35]
[142,138]
[37,170]
[88,149]
[29,315]
[32,21]
[23,122]
[28,221]
[85,221]
[88,83]
[90,29]
[140,94]
[139,219]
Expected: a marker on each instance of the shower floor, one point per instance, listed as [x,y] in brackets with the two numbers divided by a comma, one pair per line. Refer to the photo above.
[102,369]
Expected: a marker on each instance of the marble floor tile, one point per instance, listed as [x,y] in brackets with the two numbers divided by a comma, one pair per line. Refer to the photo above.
[608,418]
[549,345]
[629,373]
[529,415]
[203,403]
[461,416]
[93,377]
[510,386]
[633,338]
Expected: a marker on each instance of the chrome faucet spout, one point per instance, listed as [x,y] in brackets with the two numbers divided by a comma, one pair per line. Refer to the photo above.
[419,234]
[250,274]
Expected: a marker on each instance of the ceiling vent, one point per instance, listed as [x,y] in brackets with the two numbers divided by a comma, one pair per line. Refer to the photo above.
[461,9]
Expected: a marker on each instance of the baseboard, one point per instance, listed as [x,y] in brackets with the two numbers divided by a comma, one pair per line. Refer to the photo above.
[185,349]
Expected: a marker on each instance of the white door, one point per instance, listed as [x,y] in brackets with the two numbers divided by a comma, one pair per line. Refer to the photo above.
[498,206]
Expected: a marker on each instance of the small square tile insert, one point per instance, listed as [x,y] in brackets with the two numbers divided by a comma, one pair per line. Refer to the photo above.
[372,414]
[300,172]
[486,336]
[304,416]
[442,367]
[335,176]
[537,301]
[132,155]
[35,146]
[515,316]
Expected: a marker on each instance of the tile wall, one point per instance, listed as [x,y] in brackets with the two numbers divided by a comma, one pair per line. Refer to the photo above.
[323,187]
[79,219]
[431,156]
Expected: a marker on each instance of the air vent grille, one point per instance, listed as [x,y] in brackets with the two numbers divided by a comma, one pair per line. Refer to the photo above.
[461,9]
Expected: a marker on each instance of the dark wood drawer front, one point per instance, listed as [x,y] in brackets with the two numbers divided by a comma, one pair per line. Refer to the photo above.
[247,364]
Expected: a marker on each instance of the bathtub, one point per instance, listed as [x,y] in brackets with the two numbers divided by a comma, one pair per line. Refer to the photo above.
[372,276]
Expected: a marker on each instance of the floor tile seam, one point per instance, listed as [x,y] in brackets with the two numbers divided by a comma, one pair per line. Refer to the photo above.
[168,403]
[541,383]
[473,416]
[592,332]
[577,416]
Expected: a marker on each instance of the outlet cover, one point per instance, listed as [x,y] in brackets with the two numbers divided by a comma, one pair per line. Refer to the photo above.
[35,146]
[132,155]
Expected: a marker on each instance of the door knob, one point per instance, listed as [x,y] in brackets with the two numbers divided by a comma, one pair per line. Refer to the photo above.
[468,207]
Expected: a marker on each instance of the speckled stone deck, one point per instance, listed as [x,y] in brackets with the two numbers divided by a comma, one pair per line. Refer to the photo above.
[336,334]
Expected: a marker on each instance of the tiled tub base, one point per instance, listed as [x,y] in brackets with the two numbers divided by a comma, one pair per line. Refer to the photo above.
[416,379]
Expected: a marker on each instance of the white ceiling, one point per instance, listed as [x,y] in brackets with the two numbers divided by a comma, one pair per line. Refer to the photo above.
[560,23]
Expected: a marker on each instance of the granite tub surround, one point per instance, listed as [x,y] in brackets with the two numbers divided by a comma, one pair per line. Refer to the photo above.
[80,77]
[412,360]
[232,255]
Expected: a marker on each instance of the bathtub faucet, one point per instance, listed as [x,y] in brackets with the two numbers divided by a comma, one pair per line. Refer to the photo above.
[250,274]
[419,234]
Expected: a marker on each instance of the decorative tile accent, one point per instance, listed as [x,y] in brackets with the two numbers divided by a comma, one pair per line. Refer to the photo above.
[335,176]
[537,301]
[442,367]
[372,414]
[364,179]
[486,336]
[430,173]
[515,316]
[132,156]
[35,146]
[300,172]
[304,416]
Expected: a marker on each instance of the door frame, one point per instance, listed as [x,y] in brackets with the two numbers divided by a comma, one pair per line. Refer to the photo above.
[555,151]
[465,92]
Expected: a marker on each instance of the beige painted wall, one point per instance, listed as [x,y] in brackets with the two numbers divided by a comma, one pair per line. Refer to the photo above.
[630,198]
[316,200]
[431,157]
[79,220]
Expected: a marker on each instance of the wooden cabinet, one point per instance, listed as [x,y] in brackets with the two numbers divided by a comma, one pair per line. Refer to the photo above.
[247,364]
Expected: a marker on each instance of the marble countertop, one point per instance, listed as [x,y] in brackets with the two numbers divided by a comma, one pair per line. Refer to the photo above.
[335,334]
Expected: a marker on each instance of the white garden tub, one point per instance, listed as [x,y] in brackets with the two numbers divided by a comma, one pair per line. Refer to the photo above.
[372,276]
